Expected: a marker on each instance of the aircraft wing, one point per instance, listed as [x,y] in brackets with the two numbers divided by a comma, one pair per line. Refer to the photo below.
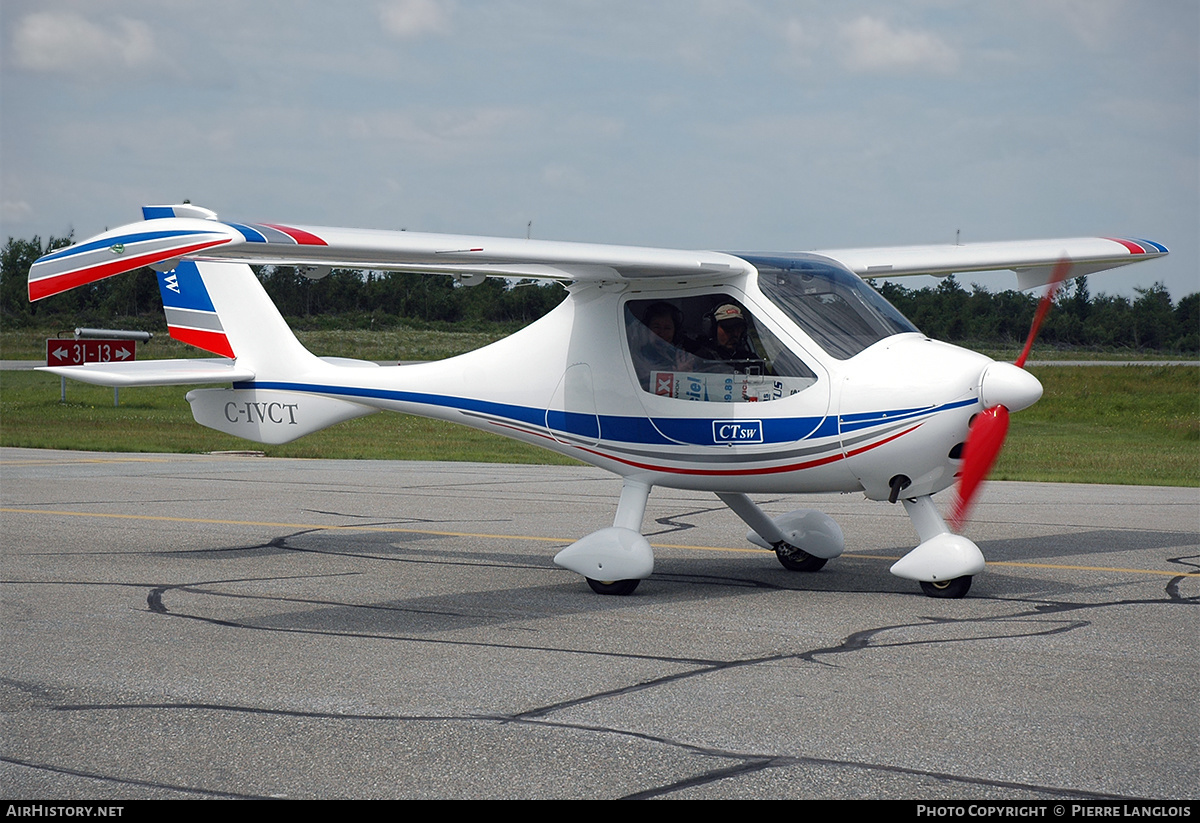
[1032,260]
[171,233]
[156,372]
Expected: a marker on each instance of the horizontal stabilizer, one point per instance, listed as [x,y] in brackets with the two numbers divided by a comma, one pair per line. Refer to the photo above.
[156,372]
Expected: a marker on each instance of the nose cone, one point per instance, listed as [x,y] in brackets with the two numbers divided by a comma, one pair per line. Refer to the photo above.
[1003,384]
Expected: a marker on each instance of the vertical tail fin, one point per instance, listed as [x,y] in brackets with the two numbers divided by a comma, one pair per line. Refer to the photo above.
[223,308]
[191,316]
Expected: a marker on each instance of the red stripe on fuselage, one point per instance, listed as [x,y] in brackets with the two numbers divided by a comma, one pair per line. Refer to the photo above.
[791,467]
[59,283]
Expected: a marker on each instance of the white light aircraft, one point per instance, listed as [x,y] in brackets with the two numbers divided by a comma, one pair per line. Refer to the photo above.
[733,373]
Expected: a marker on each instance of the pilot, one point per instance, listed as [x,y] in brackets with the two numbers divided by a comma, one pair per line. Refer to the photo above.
[729,336]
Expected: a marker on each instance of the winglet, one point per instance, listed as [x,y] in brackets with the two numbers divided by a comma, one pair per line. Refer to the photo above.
[177,210]
[114,252]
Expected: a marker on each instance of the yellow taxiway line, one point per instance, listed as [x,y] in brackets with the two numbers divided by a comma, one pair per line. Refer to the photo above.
[544,539]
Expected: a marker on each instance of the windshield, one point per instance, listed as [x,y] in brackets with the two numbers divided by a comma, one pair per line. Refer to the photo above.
[833,305]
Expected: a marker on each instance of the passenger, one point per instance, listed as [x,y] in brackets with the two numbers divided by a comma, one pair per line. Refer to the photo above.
[664,320]
[661,352]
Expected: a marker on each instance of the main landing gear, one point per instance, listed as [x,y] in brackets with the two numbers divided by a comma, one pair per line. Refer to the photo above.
[949,589]
[797,560]
[615,560]
[816,531]
[619,587]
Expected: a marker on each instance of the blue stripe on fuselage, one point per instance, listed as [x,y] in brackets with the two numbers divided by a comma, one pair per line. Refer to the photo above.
[865,420]
[620,428]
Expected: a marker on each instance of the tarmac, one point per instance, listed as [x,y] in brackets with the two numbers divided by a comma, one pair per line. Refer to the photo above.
[216,626]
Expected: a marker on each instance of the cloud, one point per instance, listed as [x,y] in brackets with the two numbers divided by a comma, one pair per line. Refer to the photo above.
[68,43]
[799,43]
[1094,22]
[436,125]
[407,19]
[560,176]
[874,46]
[15,211]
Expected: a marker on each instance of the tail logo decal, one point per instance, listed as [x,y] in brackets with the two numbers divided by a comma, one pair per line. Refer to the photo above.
[191,317]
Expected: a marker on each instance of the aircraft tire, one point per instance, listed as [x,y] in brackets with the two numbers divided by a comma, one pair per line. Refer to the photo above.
[948,589]
[618,587]
[798,560]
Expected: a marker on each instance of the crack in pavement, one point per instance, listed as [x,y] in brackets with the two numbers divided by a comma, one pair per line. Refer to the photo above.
[743,763]
[858,641]
[1031,619]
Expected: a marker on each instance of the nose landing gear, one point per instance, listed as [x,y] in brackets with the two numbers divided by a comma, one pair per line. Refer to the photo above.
[944,562]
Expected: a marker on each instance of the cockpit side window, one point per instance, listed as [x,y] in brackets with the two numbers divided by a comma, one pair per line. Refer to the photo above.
[710,348]
[837,309]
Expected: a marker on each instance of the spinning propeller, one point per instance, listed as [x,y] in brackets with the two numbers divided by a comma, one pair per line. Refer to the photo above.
[1003,386]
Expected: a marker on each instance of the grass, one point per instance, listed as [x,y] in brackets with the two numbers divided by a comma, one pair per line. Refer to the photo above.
[407,343]
[158,419]
[1099,424]
[1137,425]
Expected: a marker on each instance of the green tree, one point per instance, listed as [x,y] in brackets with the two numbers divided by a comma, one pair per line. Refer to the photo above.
[15,260]
[1153,317]
[1110,321]
[1187,324]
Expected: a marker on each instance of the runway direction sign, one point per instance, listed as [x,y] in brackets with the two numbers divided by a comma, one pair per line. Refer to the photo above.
[67,351]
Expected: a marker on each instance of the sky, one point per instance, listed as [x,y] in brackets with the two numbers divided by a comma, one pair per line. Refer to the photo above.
[766,125]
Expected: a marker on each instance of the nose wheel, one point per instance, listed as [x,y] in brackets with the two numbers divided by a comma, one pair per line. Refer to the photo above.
[953,589]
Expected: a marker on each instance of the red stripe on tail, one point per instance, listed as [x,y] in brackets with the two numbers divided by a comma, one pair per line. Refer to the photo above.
[213,341]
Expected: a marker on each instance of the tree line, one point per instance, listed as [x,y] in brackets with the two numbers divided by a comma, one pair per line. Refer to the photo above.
[1148,322]
[1151,321]
[343,297]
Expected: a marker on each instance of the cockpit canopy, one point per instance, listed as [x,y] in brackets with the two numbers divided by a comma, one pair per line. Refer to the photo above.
[838,310]
[714,346]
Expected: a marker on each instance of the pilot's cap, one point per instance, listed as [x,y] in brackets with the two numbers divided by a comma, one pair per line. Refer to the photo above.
[728,312]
